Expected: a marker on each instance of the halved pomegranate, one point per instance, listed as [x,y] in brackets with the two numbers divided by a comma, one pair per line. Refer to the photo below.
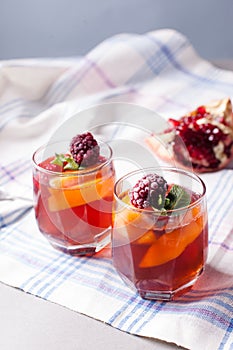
[202,139]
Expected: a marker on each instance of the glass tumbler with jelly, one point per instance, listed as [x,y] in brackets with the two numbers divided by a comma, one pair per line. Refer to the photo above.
[73,203]
[160,231]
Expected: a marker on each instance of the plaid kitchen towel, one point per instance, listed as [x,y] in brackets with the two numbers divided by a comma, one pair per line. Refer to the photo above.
[162,72]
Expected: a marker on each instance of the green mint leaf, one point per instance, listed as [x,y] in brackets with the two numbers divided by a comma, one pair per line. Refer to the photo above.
[160,200]
[167,202]
[158,204]
[177,198]
[161,211]
[71,164]
[60,159]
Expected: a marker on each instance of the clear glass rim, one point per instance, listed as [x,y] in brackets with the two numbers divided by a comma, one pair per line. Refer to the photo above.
[77,172]
[164,168]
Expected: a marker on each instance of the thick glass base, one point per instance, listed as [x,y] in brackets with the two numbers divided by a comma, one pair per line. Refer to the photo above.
[166,295]
[100,241]
[163,293]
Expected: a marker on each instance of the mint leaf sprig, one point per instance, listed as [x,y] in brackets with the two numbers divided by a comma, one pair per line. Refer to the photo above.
[177,198]
[65,161]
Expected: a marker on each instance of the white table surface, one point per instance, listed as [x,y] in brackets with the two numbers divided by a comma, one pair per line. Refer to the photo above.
[30,323]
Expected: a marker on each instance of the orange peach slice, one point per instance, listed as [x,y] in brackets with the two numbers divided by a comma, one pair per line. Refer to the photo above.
[170,245]
[67,192]
[148,238]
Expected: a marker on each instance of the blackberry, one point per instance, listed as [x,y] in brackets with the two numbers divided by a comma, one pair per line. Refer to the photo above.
[84,149]
[149,191]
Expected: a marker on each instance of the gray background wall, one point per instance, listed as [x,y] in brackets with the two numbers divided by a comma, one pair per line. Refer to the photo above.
[58,28]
